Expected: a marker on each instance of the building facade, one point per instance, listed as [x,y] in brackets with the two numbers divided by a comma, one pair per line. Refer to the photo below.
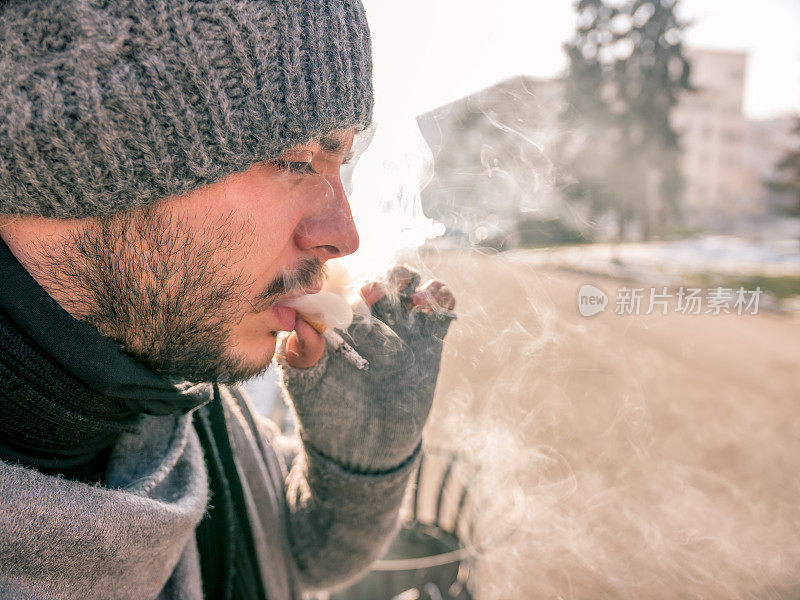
[494,151]
[719,187]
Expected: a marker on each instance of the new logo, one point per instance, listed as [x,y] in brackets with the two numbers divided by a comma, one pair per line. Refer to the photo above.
[591,300]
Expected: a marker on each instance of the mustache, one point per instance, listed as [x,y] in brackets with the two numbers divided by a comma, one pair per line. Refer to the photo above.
[309,272]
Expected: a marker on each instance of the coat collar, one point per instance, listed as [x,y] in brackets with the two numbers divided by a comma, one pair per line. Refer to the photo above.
[79,348]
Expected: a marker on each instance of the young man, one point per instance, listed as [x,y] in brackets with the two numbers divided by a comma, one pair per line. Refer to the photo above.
[168,172]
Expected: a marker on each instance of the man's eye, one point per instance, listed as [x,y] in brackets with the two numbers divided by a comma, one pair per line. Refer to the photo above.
[295,166]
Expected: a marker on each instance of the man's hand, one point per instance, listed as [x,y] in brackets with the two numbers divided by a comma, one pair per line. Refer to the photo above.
[305,346]
[371,421]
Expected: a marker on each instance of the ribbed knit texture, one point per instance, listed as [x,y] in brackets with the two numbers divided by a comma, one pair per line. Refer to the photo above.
[110,105]
[49,419]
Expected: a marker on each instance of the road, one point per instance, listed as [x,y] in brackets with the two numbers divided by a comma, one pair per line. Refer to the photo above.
[624,457]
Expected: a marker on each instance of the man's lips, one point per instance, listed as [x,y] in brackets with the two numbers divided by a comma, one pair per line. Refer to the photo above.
[284,316]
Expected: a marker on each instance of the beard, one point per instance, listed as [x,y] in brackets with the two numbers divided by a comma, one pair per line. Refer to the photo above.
[169,297]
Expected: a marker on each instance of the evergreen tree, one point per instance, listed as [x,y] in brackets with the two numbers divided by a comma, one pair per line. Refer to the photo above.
[626,71]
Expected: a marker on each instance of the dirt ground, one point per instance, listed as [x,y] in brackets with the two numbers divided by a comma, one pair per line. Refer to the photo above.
[623,456]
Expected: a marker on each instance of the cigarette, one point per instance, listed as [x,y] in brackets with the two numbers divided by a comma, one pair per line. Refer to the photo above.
[337,343]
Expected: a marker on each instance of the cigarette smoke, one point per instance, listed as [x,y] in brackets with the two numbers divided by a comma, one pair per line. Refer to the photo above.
[589,488]
[393,164]
[582,492]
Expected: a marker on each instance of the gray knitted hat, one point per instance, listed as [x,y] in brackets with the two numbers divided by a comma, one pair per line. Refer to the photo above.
[106,105]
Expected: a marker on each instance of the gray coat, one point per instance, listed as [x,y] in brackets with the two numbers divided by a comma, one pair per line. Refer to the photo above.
[320,510]
[133,538]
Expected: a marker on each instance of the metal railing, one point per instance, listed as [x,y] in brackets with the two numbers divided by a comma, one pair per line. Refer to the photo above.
[432,556]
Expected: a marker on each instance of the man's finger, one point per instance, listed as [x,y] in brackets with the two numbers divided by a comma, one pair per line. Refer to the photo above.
[400,279]
[434,295]
[304,347]
[372,292]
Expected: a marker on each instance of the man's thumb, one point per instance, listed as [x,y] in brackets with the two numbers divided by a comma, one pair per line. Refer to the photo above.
[304,347]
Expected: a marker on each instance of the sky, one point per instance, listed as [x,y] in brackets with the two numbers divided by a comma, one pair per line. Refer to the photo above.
[430,52]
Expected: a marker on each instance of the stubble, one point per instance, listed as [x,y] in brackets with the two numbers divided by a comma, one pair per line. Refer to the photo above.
[169,297]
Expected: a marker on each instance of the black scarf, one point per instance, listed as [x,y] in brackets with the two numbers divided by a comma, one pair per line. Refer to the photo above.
[50,420]
[67,393]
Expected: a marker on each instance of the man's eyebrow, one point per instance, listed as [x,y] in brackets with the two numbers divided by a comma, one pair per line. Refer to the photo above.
[331,144]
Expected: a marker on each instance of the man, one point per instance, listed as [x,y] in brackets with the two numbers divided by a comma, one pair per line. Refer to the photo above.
[168,172]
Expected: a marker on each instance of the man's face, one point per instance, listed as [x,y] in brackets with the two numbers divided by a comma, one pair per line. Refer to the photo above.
[188,286]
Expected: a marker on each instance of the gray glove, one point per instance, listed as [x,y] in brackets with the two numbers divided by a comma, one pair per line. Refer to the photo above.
[371,421]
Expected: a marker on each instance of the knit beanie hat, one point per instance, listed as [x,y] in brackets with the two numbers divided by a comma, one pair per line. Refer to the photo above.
[107,105]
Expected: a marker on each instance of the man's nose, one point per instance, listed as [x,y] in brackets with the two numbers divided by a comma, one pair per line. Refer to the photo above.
[329,231]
